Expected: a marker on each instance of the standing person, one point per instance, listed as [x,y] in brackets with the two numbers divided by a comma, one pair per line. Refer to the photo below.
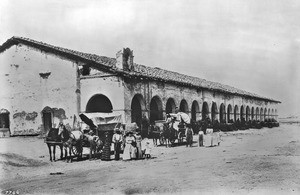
[145,126]
[200,138]
[117,140]
[138,139]
[133,153]
[148,150]
[209,133]
[189,135]
[106,148]
[129,139]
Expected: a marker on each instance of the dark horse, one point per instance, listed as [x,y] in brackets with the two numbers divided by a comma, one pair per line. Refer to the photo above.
[169,133]
[154,133]
[53,140]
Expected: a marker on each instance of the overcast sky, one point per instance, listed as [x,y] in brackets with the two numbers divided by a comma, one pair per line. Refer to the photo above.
[253,45]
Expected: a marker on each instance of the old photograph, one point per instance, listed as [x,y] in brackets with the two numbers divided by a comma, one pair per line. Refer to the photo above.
[149,97]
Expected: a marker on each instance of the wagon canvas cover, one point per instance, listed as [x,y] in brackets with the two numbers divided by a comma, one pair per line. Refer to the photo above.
[98,118]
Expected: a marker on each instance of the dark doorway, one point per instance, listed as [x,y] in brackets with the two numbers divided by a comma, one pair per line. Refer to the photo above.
[222,114]
[136,111]
[229,113]
[236,113]
[242,114]
[195,110]
[4,120]
[214,111]
[184,106]
[170,107]
[47,121]
[205,111]
[156,112]
[257,114]
[247,113]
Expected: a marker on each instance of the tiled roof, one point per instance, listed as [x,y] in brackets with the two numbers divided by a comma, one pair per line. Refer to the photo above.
[138,70]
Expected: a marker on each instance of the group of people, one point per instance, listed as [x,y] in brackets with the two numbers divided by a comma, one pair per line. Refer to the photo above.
[131,144]
[211,137]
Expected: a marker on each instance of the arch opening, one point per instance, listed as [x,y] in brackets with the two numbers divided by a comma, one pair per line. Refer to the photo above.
[229,113]
[205,111]
[247,113]
[252,113]
[265,114]
[170,107]
[214,111]
[137,105]
[47,118]
[99,103]
[236,113]
[156,111]
[195,110]
[242,114]
[183,106]
[257,114]
[4,118]
[222,113]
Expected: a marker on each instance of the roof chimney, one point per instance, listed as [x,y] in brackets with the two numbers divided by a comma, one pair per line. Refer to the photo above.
[124,59]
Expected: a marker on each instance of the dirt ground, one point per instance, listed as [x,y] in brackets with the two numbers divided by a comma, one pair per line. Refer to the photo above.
[265,161]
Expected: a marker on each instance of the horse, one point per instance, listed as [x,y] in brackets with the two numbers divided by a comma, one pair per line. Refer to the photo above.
[166,134]
[169,131]
[154,133]
[71,140]
[52,140]
[95,144]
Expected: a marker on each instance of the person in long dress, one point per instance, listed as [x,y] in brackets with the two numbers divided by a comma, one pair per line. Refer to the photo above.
[106,148]
[138,139]
[128,146]
[133,151]
[209,134]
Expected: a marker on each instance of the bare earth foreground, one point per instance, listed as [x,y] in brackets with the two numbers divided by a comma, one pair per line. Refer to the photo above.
[265,161]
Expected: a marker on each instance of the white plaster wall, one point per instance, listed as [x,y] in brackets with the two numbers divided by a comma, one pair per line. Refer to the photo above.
[25,92]
[111,87]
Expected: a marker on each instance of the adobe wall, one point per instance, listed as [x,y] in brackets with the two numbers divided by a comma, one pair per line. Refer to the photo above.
[32,80]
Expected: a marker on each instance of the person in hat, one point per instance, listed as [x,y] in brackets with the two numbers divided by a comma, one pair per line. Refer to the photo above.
[117,140]
[129,139]
[138,139]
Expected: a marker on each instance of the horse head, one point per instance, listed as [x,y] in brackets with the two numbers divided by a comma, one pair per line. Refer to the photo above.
[63,133]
